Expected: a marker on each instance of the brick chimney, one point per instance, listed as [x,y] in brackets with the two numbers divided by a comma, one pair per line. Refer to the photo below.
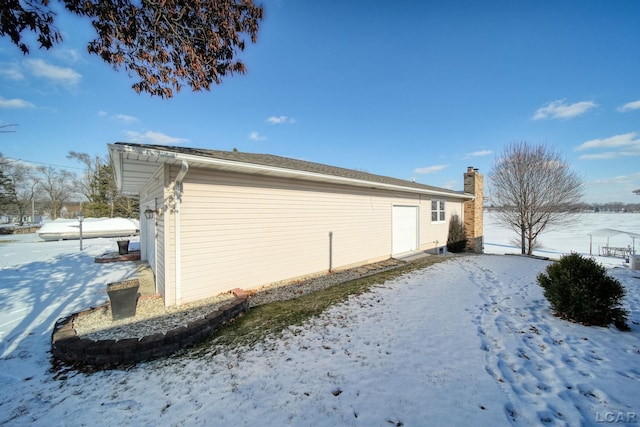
[473,223]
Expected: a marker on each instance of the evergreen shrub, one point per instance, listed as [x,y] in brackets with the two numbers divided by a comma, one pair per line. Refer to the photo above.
[580,290]
[457,238]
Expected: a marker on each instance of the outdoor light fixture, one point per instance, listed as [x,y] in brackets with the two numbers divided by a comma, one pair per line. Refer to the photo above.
[80,219]
[150,213]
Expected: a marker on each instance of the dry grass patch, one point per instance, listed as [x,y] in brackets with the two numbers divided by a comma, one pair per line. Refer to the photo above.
[273,318]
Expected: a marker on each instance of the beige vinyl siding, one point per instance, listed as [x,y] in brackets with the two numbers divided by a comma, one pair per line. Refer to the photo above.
[246,231]
[161,258]
[166,239]
[269,220]
[432,234]
[152,192]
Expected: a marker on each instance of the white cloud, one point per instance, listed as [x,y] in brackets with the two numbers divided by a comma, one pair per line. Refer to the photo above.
[276,120]
[621,179]
[255,136]
[479,153]
[15,103]
[150,137]
[125,118]
[63,75]
[635,105]
[120,117]
[429,169]
[600,156]
[560,110]
[628,143]
[613,188]
[11,71]
[623,140]
[68,55]
[635,151]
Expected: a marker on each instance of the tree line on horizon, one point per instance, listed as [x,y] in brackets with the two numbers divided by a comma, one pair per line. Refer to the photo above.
[613,207]
[47,191]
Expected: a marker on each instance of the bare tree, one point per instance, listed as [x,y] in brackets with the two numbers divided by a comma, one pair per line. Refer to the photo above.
[90,185]
[98,186]
[26,187]
[533,190]
[58,185]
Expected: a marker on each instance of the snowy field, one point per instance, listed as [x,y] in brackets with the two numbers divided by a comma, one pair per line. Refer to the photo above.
[467,342]
[569,238]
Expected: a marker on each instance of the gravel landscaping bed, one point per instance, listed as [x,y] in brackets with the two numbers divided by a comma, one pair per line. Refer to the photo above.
[153,317]
[286,290]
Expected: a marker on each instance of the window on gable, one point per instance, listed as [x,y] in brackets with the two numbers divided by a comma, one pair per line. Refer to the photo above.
[437,211]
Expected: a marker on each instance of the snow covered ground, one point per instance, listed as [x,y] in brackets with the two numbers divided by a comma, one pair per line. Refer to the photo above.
[470,341]
[573,237]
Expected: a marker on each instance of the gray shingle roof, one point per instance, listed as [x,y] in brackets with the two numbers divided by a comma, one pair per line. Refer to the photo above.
[271,160]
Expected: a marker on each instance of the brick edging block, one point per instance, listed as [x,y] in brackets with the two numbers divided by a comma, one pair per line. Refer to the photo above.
[68,347]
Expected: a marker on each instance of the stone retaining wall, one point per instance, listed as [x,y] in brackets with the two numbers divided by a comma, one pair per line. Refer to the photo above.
[68,347]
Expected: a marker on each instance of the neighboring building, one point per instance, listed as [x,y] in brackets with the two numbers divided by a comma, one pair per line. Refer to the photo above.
[215,220]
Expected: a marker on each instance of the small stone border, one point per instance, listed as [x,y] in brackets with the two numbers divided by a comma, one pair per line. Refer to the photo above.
[69,348]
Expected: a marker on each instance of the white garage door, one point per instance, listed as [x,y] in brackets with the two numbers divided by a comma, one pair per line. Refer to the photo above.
[405,229]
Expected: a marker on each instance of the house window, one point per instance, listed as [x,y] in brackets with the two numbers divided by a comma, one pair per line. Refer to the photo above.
[437,211]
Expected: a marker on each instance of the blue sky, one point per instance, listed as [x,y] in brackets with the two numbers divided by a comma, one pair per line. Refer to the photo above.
[409,89]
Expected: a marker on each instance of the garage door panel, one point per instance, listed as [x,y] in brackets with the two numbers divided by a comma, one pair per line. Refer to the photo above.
[405,229]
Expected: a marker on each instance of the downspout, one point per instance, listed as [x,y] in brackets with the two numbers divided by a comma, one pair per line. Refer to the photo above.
[177,188]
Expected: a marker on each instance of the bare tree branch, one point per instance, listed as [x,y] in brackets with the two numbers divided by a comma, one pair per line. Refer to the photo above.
[58,185]
[532,188]
[166,43]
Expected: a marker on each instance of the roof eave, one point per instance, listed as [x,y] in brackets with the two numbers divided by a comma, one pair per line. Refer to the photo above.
[252,168]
